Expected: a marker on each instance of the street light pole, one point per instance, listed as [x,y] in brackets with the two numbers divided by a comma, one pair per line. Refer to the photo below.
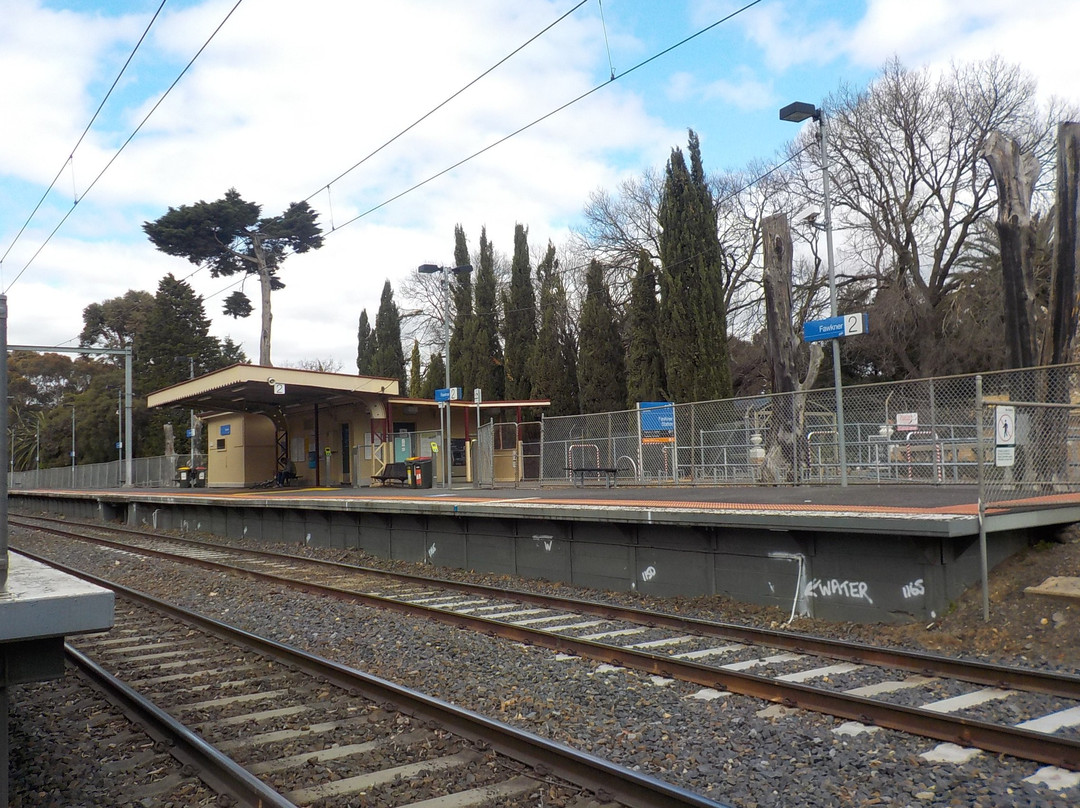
[431,269]
[119,436]
[797,112]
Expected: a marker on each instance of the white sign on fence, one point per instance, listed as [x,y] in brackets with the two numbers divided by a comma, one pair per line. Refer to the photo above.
[907,421]
[1004,435]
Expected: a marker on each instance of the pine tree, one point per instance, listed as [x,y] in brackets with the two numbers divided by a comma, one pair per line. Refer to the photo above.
[388,359]
[490,376]
[644,362]
[554,360]
[175,343]
[416,381]
[519,319]
[601,363]
[693,333]
[365,346]
[176,338]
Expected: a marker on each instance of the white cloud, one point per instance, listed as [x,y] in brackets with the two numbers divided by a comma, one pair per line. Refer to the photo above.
[288,95]
[1037,36]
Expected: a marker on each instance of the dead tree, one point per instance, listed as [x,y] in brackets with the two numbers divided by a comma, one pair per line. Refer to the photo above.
[1057,347]
[782,348]
[1015,173]
[1058,385]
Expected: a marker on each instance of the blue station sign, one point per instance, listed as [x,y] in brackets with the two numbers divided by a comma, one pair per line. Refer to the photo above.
[448,394]
[845,325]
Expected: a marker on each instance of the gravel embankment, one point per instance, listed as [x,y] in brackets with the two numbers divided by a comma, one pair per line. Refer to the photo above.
[722,747]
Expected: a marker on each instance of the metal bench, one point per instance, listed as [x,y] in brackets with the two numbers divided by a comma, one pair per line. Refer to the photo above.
[577,474]
[392,472]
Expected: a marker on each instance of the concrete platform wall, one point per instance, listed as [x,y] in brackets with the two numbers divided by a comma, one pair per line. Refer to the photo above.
[831,575]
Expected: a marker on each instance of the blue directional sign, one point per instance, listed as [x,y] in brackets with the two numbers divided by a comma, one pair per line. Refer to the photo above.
[834,327]
[657,416]
[448,394]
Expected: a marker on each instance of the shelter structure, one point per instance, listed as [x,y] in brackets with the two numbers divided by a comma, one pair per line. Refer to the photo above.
[328,429]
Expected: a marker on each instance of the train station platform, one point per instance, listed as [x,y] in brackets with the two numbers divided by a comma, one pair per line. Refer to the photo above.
[867,553]
[39,607]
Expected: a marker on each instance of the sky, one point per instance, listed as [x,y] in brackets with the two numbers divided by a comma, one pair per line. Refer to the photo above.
[287,97]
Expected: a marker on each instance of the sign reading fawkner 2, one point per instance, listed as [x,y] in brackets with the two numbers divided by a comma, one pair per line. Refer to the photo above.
[845,325]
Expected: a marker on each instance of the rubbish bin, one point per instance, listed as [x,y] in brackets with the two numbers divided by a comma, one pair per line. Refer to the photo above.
[419,470]
[183,476]
[198,477]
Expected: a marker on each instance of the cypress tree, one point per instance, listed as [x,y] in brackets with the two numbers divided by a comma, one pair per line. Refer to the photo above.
[462,359]
[365,346]
[520,320]
[416,381]
[693,334]
[388,359]
[434,376]
[601,363]
[489,377]
[553,366]
[644,362]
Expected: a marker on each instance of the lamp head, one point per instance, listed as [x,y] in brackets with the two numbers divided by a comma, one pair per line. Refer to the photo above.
[428,269]
[799,111]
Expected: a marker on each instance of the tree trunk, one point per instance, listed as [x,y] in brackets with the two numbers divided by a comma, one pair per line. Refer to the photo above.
[782,342]
[1057,346]
[782,347]
[1052,424]
[265,288]
[1015,175]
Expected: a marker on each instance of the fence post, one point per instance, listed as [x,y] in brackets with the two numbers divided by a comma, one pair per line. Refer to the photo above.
[980,459]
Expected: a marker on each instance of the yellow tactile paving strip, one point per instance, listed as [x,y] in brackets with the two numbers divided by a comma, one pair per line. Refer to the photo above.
[327,494]
[967,509]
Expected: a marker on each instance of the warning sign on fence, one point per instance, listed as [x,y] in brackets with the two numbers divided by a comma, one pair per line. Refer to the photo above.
[907,421]
[1004,435]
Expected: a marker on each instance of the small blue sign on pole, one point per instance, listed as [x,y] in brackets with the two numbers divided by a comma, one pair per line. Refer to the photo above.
[844,325]
[442,394]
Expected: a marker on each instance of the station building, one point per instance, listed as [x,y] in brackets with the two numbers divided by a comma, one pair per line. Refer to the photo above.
[336,429]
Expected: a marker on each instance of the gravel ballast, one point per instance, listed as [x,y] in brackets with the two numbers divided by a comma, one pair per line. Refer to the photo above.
[723,746]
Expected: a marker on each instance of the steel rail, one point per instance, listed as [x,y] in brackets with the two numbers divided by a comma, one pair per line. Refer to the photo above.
[218,771]
[976,672]
[999,739]
[606,779]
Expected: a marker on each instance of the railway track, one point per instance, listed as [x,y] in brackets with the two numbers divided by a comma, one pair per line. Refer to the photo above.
[273,726]
[915,693]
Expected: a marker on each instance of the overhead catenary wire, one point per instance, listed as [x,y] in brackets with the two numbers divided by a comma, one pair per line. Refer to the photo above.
[546,115]
[124,145]
[607,44]
[568,270]
[445,101]
[71,155]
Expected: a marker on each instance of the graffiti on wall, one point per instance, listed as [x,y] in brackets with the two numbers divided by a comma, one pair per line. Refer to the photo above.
[833,588]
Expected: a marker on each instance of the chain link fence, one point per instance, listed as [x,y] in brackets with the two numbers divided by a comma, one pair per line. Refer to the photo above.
[1014,434]
[1029,432]
[147,472]
[922,431]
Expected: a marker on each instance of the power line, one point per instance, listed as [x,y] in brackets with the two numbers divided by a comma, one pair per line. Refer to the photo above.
[446,101]
[123,146]
[547,115]
[71,156]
